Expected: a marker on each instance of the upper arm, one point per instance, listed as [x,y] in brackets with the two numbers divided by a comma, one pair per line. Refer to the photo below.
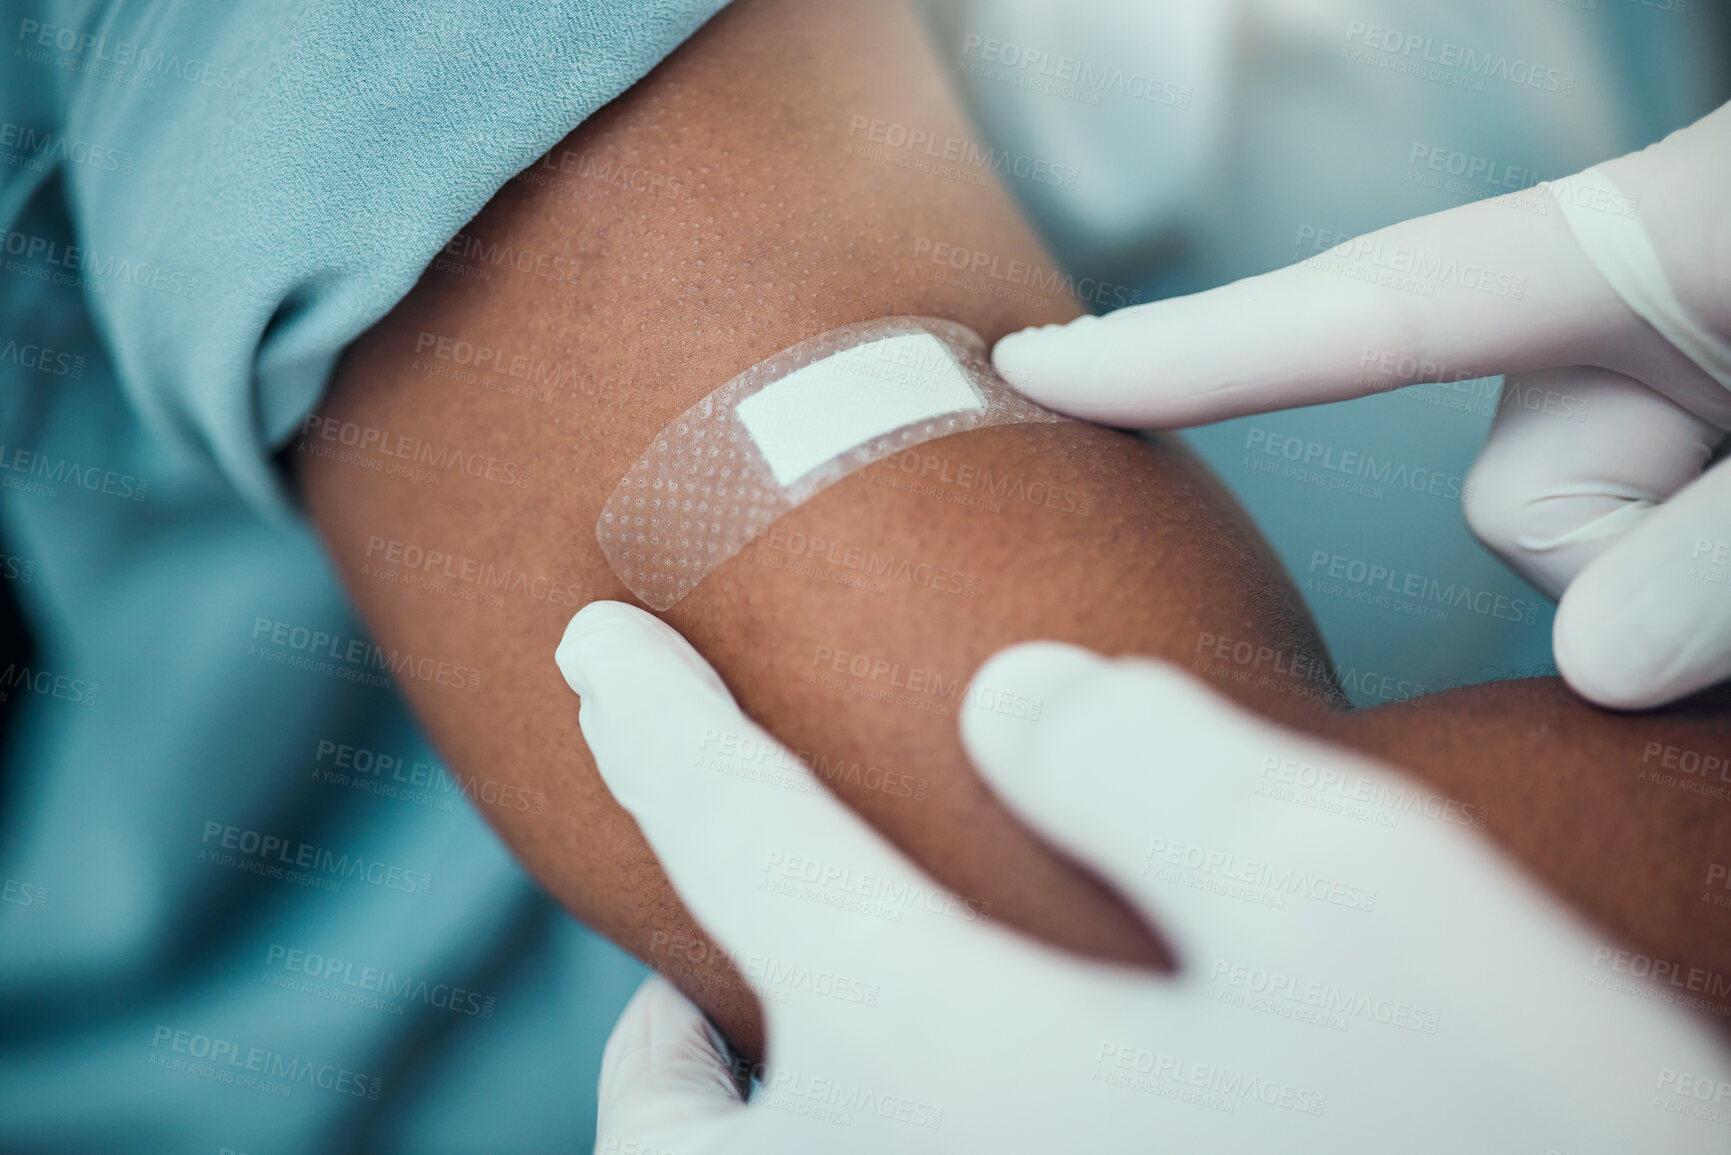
[722,210]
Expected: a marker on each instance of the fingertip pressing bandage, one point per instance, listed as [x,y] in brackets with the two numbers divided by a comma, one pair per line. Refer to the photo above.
[1619,247]
[786,429]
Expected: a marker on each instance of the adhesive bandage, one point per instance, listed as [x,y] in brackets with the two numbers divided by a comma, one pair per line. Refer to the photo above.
[788,428]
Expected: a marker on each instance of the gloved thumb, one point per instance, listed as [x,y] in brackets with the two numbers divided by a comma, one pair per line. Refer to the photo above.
[1100,755]
[666,1084]
[1649,621]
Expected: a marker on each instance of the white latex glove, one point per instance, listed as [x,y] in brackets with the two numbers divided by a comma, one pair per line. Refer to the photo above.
[1607,300]
[1345,986]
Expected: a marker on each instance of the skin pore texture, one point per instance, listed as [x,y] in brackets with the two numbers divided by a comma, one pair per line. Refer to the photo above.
[756,189]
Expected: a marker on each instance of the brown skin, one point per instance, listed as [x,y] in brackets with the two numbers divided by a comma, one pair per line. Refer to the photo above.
[723,210]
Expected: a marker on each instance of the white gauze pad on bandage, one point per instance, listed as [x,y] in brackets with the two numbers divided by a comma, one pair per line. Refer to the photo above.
[786,428]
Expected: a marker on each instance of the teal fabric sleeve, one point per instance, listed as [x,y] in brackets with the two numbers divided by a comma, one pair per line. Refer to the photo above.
[244,907]
[292,166]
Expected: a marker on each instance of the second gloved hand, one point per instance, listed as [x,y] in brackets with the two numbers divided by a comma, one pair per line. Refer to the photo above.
[1345,985]
[1606,298]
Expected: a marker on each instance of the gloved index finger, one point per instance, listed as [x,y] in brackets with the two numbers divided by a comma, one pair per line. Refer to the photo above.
[1491,287]
[766,859]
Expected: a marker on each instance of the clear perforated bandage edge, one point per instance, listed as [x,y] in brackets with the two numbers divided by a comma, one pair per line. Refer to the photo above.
[716,477]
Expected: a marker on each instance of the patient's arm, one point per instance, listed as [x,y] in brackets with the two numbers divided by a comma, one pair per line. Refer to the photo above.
[1624,815]
[726,207]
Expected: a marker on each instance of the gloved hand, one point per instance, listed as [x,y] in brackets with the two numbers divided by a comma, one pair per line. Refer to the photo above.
[1355,978]
[1605,297]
